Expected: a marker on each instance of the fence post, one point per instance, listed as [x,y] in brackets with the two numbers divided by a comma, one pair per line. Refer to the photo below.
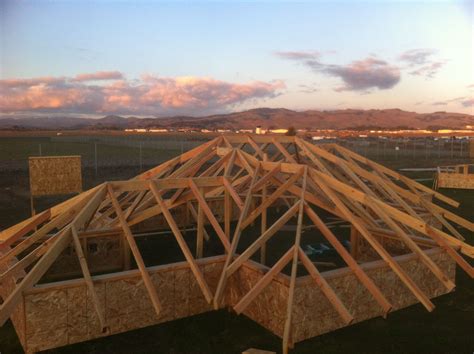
[141,164]
[95,157]
[39,148]
[452,147]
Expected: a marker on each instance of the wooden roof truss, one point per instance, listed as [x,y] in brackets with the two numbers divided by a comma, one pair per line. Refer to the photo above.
[250,173]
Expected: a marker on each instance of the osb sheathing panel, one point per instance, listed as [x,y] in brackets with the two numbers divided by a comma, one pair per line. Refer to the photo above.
[269,307]
[18,315]
[63,313]
[52,175]
[455,180]
[314,315]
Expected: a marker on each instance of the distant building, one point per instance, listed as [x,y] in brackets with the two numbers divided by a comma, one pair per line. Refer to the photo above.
[158,130]
[258,130]
[140,130]
[279,131]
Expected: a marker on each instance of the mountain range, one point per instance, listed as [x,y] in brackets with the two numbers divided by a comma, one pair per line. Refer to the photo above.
[264,117]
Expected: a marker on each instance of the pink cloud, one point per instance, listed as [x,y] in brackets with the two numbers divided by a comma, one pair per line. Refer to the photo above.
[149,95]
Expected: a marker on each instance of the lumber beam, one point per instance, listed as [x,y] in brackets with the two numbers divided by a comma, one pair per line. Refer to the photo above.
[350,261]
[210,216]
[136,252]
[43,264]
[410,284]
[235,240]
[182,243]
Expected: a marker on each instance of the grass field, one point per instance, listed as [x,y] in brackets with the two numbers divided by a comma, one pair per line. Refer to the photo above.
[448,329]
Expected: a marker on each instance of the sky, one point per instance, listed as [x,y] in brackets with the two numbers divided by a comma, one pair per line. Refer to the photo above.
[156,58]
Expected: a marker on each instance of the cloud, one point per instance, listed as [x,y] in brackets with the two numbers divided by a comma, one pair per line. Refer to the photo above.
[360,75]
[148,95]
[420,62]
[298,55]
[465,101]
[100,75]
[363,75]
[414,57]
[468,102]
[308,88]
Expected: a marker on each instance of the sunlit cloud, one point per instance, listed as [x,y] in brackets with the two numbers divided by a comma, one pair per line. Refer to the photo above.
[148,95]
[366,74]
[359,75]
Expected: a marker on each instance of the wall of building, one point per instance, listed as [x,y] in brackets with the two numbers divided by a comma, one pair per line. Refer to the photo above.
[62,313]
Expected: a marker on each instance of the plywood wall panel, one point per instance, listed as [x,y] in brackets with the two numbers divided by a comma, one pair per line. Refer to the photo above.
[46,322]
[54,175]
[77,314]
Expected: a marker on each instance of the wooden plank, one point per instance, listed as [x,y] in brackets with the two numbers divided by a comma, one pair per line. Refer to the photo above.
[282,149]
[415,249]
[235,196]
[88,279]
[255,146]
[398,176]
[350,261]
[411,285]
[402,217]
[235,240]
[294,268]
[200,229]
[255,246]
[49,257]
[271,199]
[263,221]
[196,217]
[136,252]
[31,224]
[210,216]
[263,282]
[182,243]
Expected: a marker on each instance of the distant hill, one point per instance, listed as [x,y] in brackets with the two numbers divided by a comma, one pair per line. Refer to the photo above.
[265,117]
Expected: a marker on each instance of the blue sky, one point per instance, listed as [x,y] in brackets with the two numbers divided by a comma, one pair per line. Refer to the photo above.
[161,58]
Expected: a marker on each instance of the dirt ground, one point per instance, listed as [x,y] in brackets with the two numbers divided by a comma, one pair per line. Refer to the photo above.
[448,329]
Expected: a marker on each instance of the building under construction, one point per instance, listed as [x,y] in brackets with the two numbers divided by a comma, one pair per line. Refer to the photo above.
[303,239]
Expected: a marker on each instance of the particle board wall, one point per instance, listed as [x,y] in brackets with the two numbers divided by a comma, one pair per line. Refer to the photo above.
[455,180]
[55,175]
[18,316]
[62,313]
[313,315]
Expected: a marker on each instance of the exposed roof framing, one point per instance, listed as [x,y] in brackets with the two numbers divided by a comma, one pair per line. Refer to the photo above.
[250,173]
